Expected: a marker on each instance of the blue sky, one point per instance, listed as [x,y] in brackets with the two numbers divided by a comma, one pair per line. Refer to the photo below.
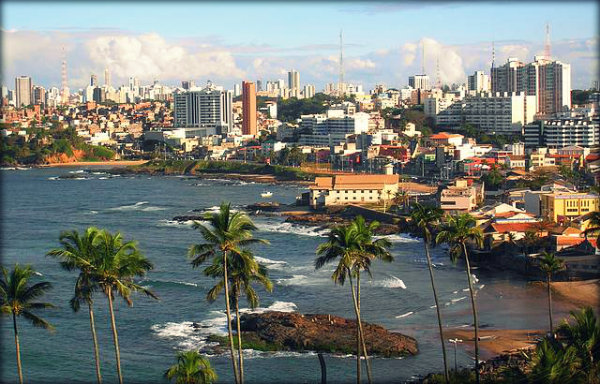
[287,33]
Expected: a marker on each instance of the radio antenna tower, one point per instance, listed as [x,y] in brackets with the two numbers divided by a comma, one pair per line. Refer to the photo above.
[438,81]
[423,57]
[547,43]
[341,79]
[64,88]
[493,55]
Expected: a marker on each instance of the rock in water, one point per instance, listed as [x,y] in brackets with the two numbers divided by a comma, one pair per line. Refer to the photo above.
[324,333]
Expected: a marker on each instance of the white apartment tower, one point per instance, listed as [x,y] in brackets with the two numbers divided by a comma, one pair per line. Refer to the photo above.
[478,82]
[419,82]
[206,108]
[23,91]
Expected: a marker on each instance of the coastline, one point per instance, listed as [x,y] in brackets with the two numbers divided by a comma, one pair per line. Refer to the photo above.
[115,163]
[495,342]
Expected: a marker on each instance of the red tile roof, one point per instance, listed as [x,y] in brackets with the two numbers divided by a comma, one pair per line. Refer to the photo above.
[514,227]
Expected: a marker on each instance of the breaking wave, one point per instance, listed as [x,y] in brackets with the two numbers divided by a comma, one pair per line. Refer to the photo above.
[292,228]
[139,206]
[392,282]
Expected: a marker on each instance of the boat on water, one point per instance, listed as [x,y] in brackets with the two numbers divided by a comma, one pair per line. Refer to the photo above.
[266,194]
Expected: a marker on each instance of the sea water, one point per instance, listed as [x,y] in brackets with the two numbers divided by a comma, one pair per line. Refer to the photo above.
[37,205]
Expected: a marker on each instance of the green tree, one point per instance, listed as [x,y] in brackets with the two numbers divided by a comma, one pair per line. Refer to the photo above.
[584,334]
[554,364]
[117,263]
[191,368]
[230,233]
[243,270]
[17,297]
[425,218]
[550,264]
[355,247]
[593,226]
[457,232]
[79,253]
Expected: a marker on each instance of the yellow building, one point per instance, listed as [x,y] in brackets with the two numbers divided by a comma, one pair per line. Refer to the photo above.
[352,189]
[559,207]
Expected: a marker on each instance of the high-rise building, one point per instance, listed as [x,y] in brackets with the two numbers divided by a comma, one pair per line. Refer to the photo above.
[309,91]
[478,82]
[188,84]
[23,90]
[107,77]
[259,86]
[419,82]
[39,95]
[94,80]
[99,95]
[549,81]
[209,108]
[294,79]
[237,90]
[248,108]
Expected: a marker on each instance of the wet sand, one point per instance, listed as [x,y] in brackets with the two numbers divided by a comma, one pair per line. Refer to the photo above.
[586,292]
[493,342]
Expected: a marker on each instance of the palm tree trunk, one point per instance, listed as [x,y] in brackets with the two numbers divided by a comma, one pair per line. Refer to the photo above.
[550,304]
[239,336]
[360,330]
[228,310]
[437,308]
[474,308]
[95,339]
[115,336]
[17,346]
[357,333]
[362,335]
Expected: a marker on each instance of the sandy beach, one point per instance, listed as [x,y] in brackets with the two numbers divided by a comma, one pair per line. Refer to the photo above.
[494,342]
[586,292]
[116,163]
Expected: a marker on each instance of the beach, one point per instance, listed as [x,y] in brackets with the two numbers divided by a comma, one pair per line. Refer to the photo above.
[494,342]
[582,293]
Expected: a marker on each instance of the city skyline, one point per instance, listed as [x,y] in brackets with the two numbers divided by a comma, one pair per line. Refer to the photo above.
[160,42]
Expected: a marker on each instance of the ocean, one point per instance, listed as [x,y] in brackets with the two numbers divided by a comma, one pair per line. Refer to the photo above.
[37,206]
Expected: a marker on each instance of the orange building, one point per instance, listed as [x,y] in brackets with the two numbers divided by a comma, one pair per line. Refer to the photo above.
[248,108]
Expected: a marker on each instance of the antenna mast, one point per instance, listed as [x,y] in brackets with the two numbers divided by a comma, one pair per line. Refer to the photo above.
[547,43]
[341,79]
[64,90]
[423,58]
[438,81]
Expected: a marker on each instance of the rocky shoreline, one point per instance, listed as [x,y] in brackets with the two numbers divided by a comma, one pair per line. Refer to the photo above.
[293,331]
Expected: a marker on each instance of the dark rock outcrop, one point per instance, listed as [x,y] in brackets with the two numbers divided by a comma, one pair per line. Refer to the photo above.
[324,333]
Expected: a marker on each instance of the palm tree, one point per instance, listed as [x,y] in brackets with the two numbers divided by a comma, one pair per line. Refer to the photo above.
[17,299]
[78,252]
[550,264]
[243,270]
[353,244]
[529,239]
[402,198]
[425,218]
[553,363]
[191,368]
[117,264]
[584,335]
[594,226]
[230,233]
[457,232]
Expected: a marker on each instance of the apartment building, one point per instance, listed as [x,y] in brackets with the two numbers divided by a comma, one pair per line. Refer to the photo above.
[461,197]
[563,132]
[561,207]
[352,189]
[494,113]
[209,108]
[332,128]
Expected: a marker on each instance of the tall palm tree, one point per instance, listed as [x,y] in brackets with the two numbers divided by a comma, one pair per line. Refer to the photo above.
[584,335]
[425,218]
[550,264]
[79,253]
[354,246]
[191,368]
[17,297]
[117,264]
[243,270]
[230,233]
[457,231]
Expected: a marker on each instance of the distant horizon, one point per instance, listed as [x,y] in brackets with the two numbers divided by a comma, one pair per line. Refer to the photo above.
[230,42]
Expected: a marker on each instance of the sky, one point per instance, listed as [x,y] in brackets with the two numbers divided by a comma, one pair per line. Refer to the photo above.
[234,41]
